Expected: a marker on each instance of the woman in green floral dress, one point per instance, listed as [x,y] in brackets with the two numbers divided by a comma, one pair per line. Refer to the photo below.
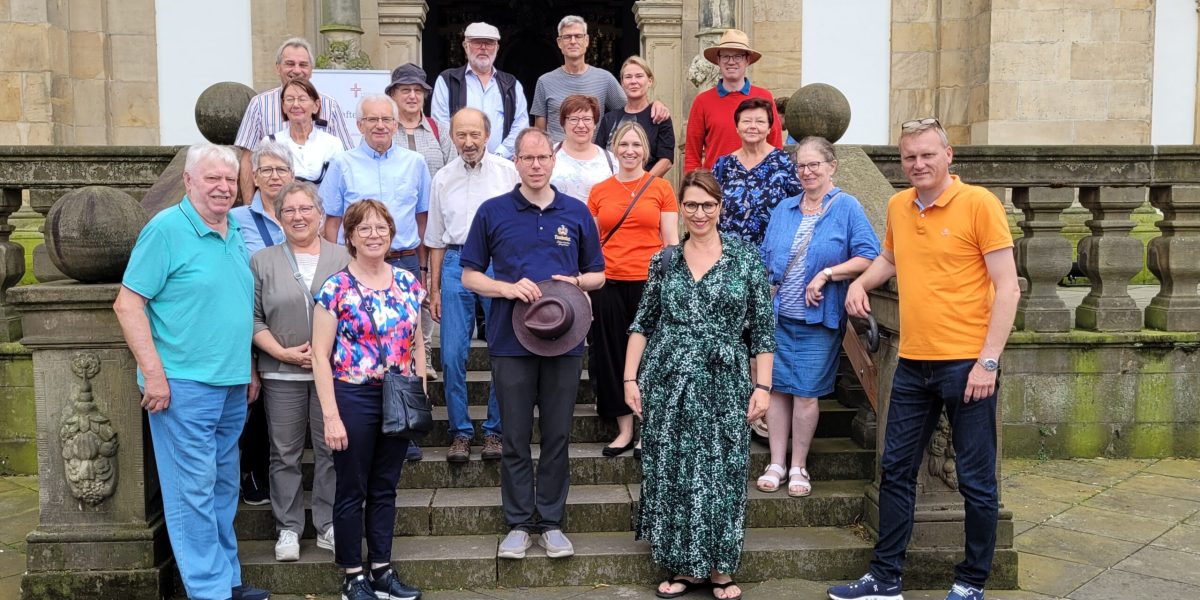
[695,397]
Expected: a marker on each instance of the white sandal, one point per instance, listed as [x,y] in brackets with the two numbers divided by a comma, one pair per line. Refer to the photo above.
[771,478]
[798,477]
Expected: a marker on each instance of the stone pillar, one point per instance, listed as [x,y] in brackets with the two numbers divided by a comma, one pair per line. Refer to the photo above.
[401,23]
[715,17]
[1043,258]
[341,24]
[1174,258]
[1109,257]
[12,265]
[661,24]
[100,533]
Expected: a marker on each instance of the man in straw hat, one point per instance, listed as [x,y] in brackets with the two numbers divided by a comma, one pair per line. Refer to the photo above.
[535,334]
[711,132]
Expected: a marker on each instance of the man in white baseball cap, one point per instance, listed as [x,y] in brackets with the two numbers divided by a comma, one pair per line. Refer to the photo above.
[479,84]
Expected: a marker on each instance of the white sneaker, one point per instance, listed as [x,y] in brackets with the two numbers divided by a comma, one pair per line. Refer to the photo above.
[514,545]
[325,540]
[287,549]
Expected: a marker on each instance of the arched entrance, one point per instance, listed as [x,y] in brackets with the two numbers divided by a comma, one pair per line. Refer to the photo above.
[527,32]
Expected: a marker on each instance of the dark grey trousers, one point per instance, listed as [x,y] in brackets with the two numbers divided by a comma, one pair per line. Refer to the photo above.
[550,384]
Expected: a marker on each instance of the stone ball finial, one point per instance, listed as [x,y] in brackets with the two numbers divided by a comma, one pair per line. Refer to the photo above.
[817,109]
[219,110]
[90,233]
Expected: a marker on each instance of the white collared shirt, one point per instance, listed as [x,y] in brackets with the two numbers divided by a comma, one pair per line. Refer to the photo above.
[308,159]
[456,193]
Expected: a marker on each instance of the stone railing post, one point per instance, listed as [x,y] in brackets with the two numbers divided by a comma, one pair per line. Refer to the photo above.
[661,24]
[1110,258]
[401,23]
[1174,258]
[12,265]
[1043,259]
[41,201]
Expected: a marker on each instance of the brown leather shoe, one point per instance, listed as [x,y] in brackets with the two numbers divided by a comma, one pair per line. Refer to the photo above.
[491,447]
[460,450]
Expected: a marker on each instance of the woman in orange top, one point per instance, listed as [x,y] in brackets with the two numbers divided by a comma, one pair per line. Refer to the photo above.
[629,236]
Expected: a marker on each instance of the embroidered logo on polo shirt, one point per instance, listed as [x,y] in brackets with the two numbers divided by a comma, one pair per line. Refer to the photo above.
[945,232]
[561,236]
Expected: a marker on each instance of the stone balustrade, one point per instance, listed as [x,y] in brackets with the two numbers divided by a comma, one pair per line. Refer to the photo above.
[1109,185]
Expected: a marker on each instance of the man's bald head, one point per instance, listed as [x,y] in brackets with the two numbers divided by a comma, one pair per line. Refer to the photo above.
[469,130]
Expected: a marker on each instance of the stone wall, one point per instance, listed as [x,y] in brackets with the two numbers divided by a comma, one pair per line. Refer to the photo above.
[18,422]
[78,72]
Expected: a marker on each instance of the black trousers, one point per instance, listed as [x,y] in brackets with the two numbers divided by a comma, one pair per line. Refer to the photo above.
[551,384]
[613,308]
[255,444]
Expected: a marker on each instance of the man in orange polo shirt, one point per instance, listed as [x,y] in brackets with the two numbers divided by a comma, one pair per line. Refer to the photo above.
[950,249]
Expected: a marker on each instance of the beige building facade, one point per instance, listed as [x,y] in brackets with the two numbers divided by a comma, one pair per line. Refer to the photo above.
[995,71]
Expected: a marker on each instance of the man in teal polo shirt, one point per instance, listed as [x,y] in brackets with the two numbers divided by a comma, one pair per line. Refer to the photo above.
[186,309]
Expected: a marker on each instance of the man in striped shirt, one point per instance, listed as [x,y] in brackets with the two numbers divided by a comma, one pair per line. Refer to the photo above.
[578,77]
[264,115]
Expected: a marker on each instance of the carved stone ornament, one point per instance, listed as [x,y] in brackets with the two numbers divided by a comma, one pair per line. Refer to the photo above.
[89,443]
[941,454]
[344,54]
[702,73]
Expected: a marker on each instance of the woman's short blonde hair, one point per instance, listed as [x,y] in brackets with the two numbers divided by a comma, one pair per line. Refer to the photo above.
[639,61]
[625,128]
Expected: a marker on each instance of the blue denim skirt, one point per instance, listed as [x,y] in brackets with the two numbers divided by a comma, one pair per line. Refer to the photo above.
[806,360]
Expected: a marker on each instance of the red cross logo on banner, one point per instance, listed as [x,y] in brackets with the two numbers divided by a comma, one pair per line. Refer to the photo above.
[354,88]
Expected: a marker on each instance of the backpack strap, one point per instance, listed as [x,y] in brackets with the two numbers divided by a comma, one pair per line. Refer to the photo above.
[433,125]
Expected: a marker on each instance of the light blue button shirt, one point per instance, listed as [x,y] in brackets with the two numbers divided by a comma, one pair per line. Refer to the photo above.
[250,233]
[490,100]
[397,177]
[199,296]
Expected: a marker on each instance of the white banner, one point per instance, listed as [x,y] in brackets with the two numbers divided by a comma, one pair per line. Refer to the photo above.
[347,87]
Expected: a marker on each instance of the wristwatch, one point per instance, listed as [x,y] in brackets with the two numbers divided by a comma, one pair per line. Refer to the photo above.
[828,273]
[989,364]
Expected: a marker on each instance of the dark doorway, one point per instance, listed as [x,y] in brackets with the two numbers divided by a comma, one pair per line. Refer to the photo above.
[527,34]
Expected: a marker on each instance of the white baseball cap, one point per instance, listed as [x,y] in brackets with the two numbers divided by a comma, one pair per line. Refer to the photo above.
[482,30]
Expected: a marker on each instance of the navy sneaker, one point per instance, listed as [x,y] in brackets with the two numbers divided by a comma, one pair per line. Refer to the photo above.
[358,589]
[962,591]
[255,491]
[866,588]
[414,453]
[245,592]
[389,587]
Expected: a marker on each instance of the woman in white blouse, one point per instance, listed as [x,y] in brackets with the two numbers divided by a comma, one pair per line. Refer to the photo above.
[578,163]
[311,147]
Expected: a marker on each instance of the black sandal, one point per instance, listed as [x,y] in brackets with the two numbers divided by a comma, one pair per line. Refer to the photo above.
[726,586]
[688,587]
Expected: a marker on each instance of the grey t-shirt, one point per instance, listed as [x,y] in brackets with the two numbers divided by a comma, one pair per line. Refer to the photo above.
[556,85]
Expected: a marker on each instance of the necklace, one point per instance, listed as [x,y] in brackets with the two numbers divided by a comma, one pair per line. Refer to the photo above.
[804,208]
[637,184]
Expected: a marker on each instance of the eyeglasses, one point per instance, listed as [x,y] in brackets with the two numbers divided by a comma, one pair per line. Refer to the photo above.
[708,207]
[919,124]
[276,171]
[572,37]
[812,166]
[303,210]
[484,43]
[739,57]
[573,121]
[375,120]
[369,230]
[296,99]
[529,159]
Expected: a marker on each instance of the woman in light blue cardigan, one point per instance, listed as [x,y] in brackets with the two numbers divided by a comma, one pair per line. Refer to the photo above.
[815,243]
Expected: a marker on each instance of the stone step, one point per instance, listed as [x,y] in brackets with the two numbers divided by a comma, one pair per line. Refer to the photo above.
[590,508]
[479,381]
[456,562]
[829,459]
[587,426]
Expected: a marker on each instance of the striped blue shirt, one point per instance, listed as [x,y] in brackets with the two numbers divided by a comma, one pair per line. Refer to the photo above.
[398,178]
[264,116]
[554,87]
[791,291]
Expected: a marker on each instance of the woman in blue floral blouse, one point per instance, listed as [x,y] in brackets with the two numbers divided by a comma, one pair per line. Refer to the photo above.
[367,321]
[755,177]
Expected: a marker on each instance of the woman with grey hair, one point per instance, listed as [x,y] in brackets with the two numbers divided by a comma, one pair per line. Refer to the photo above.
[286,277]
[271,163]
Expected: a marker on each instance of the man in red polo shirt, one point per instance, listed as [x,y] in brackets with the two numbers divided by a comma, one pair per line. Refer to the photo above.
[711,130]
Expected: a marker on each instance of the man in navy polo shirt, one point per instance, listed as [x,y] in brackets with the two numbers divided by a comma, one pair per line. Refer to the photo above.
[528,235]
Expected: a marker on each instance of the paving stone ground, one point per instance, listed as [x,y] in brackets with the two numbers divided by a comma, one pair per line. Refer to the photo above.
[1091,529]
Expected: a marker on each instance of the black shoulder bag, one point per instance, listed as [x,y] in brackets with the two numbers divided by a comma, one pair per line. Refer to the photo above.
[406,409]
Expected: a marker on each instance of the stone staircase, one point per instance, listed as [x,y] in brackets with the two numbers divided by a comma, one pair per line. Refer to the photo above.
[449,521]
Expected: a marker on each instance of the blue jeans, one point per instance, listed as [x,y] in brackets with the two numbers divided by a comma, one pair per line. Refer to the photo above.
[919,391]
[196,450]
[458,323]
